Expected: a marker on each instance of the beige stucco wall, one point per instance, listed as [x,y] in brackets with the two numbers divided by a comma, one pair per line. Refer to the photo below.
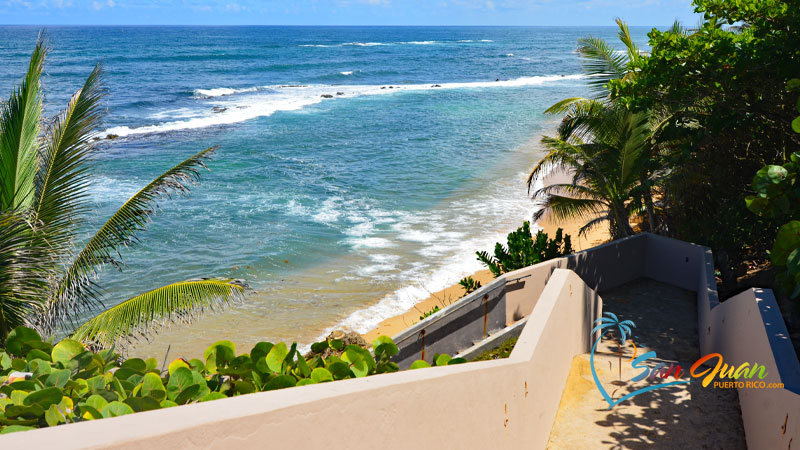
[771,417]
[495,404]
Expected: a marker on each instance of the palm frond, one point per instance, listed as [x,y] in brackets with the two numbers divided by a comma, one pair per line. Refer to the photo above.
[120,231]
[565,105]
[568,208]
[23,279]
[592,224]
[601,63]
[20,117]
[562,154]
[63,176]
[142,315]
[624,35]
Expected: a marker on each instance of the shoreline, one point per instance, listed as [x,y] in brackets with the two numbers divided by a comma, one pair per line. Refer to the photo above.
[396,324]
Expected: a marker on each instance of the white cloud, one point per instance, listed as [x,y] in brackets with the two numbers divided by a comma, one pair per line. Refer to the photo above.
[490,5]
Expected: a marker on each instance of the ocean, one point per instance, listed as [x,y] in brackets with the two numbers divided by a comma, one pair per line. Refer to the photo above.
[359,168]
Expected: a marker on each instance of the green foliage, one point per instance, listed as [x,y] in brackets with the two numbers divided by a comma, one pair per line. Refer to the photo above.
[501,352]
[777,196]
[606,149]
[469,285]
[42,384]
[45,176]
[523,250]
[429,312]
[730,114]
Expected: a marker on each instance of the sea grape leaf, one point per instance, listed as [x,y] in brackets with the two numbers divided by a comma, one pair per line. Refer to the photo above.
[419,364]
[65,350]
[44,398]
[115,409]
[276,356]
[320,375]
[280,382]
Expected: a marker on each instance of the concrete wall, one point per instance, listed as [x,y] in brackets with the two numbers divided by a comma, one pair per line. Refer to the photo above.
[749,328]
[456,327]
[603,267]
[493,404]
[507,404]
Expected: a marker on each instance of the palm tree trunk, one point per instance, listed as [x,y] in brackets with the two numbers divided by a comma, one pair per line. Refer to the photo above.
[648,203]
[621,221]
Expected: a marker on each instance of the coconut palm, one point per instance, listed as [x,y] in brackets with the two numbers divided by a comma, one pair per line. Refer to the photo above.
[603,63]
[623,331]
[606,169]
[46,279]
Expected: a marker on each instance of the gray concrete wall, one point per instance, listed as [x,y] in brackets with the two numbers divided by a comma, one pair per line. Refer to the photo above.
[456,327]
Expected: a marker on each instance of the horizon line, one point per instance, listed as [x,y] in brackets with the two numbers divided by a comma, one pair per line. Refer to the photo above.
[318,25]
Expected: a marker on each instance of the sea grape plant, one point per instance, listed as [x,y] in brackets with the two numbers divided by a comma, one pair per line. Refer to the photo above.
[45,384]
[777,196]
[523,250]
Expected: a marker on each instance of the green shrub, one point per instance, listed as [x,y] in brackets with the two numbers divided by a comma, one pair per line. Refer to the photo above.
[430,312]
[523,250]
[469,285]
[44,384]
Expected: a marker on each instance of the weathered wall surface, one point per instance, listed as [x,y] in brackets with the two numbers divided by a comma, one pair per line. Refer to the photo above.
[494,404]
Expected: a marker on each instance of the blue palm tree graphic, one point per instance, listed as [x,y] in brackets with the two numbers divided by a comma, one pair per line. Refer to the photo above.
[624,330]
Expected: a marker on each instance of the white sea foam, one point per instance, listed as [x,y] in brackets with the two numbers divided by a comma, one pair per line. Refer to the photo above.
[261,101]
[365,44]
[375,44]
[349,72]
[371,242]
[453,251]
[107,189]
[220,92]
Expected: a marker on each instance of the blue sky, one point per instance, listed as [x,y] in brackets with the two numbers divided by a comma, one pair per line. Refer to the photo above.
[345,12]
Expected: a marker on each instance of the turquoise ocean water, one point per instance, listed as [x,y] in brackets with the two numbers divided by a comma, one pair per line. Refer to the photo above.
[338,211]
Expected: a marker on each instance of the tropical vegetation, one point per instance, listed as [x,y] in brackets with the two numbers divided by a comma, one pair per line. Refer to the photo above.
[45,384]
[671,138]
[523,250]
[48,272]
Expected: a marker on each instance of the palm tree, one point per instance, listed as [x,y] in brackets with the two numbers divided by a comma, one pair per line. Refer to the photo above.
[623,331]
[46,280]
[602,63]
[606,169]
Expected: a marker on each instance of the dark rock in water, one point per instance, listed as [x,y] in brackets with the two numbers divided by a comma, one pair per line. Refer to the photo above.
[219,109]
[436,85]
[340,93]
[391,87]
[326,96]
[111,136]
[383,87]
